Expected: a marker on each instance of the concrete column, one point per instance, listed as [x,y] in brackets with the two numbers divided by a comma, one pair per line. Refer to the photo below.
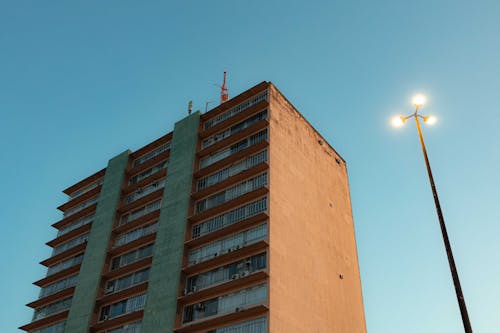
[160,310]
[87,286]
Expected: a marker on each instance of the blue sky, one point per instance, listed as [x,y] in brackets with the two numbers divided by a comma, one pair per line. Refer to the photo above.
[81,81]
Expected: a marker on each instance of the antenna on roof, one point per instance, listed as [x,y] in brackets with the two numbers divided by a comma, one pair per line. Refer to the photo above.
[206,105]
[190,107]
[224,96]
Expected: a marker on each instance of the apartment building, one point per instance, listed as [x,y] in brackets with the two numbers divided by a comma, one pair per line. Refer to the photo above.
[238,221]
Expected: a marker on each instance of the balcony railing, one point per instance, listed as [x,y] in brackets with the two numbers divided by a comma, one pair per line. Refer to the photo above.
[234,129]
[232,170]
[86,189]
[234,111]
[127,281]
[65,264]
[123,307]
[76,224]
[72,243]
[82,206]
[142,192]
[225,304]
[52,308]
[222,154]
[225,273]
[228,244]
[232,193]
[146,209]
[231,217]
[145,174]
[132,256]
[258,325]
[58,286]
[135,234]
[152,154]
[56,328]
[128,328]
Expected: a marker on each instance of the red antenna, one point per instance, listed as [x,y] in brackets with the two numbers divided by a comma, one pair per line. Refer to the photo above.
[224,96]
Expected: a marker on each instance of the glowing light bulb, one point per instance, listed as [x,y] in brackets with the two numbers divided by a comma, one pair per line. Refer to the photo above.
[419,100]
[431,120]
[398,121]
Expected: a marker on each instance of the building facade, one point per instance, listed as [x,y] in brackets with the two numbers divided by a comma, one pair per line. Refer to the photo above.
[238,221]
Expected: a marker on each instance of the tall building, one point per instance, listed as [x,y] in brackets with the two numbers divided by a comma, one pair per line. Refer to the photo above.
[238,221]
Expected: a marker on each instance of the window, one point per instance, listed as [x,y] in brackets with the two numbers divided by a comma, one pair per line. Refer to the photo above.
[258,325]
[152,154]
[143,191]
[123,307]
[132,256]
[232,192]
[82,206]
[234,111]
[222,154]
[86,189]
[52,308]
[226,273]
[76,224]
[146,209]
[232,170]
[234,129]
[143,175]
[226,303]
[228,244]
[70,244]
[231,217]
[127,281]
[128,328]
[58,286]
[56,328]
[135,234]
[76,260]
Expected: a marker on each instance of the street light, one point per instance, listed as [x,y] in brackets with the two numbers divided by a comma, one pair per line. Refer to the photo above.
[418,102]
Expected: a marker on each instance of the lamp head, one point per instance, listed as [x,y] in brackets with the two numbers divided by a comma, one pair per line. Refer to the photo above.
[431,120]
[419,100]
[398,121]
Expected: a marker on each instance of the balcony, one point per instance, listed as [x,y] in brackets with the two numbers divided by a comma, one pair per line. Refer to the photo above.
[143,191]
[234,133]
[233,112]
[236,172]
[228,244]
[75,209]
[233,149]
[228,272]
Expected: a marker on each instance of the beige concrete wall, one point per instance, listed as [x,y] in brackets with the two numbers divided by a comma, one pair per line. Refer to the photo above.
[312,242]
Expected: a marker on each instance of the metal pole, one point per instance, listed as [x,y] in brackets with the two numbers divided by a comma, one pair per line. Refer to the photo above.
[449,253]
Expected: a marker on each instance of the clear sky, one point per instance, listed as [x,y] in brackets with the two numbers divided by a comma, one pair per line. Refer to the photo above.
[81,81]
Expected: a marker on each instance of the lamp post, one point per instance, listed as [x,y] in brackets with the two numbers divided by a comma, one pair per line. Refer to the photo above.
[418,101]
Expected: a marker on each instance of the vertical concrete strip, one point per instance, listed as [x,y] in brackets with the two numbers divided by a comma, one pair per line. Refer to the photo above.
[87,285]
[160,310]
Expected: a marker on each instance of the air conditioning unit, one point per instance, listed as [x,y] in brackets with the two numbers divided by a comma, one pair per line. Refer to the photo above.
[200,307]
[105,317]
[109,289]
[244,273]
[235,276]
[239,309]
